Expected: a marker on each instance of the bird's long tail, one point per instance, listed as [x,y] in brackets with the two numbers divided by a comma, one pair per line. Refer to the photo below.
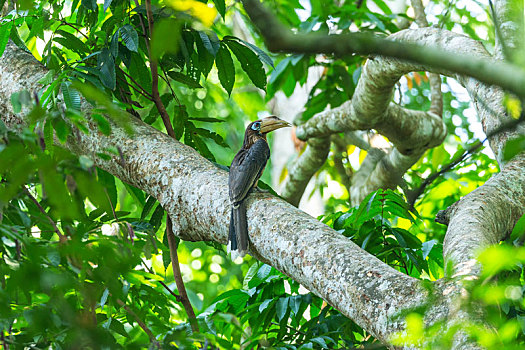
[238,235]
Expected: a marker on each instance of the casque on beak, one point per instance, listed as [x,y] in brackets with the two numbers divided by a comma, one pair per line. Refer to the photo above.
[272,123]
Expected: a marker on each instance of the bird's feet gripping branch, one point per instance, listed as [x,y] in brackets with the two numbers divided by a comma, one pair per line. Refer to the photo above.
[246,169]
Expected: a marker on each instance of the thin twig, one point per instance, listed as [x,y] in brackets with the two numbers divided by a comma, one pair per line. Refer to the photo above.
[61,237]
[177,297]
[412,196]
[168,83]
[150,96]
[63,22]
[141,323]
[290,327]
[4,342]
[147,97]
[155,78]
[178,276]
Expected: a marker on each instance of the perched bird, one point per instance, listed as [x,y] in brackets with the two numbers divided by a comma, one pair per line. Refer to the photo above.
[246,169]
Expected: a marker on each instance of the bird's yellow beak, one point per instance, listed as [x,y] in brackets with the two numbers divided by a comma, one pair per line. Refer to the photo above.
[272,123]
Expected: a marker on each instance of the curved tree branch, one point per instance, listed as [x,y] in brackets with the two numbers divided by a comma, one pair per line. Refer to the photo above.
[304,167]
[485,216]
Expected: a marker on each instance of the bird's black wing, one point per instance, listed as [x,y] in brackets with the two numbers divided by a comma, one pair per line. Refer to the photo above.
[246,169]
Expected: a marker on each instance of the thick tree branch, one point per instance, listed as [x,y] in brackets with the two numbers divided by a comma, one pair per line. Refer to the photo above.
[330,265]
[304,168]
[486,215]
[280,39]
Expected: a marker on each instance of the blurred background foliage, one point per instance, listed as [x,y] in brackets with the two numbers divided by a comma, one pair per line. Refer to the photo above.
[77,244]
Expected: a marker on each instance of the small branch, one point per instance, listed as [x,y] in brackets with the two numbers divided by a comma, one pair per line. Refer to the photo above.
[63,22]
[143,91]
[4,342]
[61,237]
[155,78]
[165,78]
[177,297]
[178,276]
[290,328]
[137,90]
[141,323]
[412,196]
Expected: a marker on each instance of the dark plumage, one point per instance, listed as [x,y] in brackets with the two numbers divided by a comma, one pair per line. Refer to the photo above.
[246,169]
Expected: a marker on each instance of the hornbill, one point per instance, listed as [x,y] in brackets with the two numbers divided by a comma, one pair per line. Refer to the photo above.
[246,169]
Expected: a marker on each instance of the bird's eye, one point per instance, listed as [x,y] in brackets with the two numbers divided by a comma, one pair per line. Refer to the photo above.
[256,126]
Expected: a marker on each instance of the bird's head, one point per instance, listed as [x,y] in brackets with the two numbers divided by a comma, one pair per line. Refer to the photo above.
[266,125]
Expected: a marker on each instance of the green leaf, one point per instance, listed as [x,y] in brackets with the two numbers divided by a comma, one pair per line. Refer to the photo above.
[48,78]
[264,305]
[156,217]
[113,45]
[61,129]
[48,136]
[71,42]
[250,63]
[138,70]
[5,31]
[103,125]
[514,147]
[252,271]
[221,7]
[106,67]
[190,82]
[130,37]
[71,96]
[150,202]
[15,102]
[212,135]
[204,57]
[320,341]
[384,7]
[211,42]
[226,70]
[519,229]
[166,37]
[104,298]
[108,181]
[179,121]
[137,194]
[281,307]
[263,56]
